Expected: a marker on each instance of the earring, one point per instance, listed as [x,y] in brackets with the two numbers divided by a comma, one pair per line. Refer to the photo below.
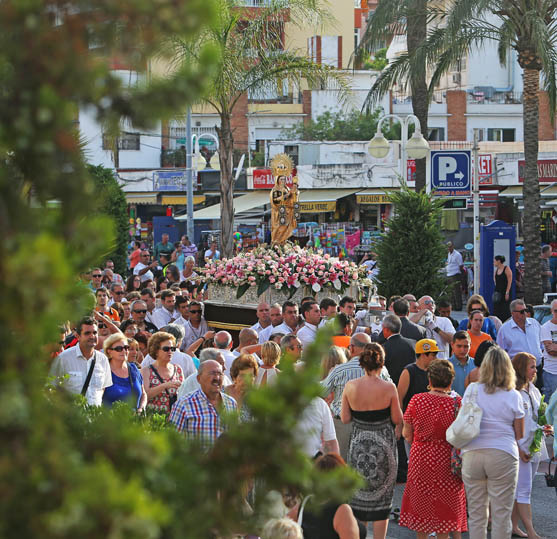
[428,387]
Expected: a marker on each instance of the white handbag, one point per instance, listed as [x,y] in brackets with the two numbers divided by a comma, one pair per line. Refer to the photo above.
[466,426]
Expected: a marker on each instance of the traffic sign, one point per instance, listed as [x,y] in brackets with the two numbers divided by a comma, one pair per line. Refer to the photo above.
[451,172]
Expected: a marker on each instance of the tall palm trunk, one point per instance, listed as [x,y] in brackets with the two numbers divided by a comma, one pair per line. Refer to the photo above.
[226,144]
[531,189]
[416,32]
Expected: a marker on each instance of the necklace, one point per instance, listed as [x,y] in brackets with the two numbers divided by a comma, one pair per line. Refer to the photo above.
[442,391]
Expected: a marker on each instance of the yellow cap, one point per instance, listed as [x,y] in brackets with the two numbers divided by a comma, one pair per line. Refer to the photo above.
[426,345]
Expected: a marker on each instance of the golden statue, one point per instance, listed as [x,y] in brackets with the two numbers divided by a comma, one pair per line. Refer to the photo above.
[284,201]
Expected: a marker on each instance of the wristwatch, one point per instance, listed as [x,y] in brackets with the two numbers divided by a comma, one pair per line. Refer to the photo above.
[436,329]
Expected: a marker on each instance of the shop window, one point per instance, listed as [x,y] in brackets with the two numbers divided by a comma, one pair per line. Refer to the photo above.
[292,152]
[436,134]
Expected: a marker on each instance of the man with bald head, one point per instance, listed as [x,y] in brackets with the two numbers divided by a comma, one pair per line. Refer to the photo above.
[223,343]
[337,379]
[263,317]
[247,337]
[197,414]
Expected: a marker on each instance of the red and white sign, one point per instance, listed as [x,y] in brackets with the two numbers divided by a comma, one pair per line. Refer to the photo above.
[410,170]
[485,169]
[263,179]
[547,170]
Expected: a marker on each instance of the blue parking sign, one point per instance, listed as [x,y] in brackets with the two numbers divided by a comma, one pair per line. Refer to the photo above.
[451,172]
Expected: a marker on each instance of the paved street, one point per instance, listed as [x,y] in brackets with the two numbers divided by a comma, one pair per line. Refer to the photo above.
[544,507]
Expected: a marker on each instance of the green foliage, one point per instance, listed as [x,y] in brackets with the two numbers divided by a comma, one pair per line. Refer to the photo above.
[377,61]
[342,126]
[411,254]
[112,203]
[69,470]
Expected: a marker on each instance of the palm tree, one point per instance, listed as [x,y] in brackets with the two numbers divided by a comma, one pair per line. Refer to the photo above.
[398,17]
[530,28]
[249,42]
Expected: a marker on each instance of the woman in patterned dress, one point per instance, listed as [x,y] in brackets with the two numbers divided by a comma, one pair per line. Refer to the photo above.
[434,499]
[162,379]
[373,407]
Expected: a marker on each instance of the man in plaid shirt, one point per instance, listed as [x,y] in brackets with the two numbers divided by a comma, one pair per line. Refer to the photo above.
[197,414]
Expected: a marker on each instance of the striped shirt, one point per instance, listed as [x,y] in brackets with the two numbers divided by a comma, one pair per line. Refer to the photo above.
[340,375]
[197,418]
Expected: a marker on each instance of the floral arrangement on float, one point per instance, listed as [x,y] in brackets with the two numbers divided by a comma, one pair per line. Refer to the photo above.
[286,268]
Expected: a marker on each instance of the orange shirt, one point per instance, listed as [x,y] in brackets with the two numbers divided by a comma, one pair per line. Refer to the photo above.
[134,258]
[476,340]
[341,340]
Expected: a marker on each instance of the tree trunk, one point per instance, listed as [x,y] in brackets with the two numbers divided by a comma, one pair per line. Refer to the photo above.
[226,144]
[416,34]
[531,190]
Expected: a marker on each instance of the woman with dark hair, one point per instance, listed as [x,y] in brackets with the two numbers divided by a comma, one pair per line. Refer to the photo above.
[133,282]
[373,407]
[503,278]
[474,374]
[476,302]
[434,499]
[525,368]
[330,520]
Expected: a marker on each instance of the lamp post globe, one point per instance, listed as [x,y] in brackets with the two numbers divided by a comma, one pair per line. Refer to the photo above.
[378,146]
[417,147]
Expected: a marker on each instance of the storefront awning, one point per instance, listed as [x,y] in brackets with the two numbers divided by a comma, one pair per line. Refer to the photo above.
[141,198]
[515,191]
[322,200]
[373,196]
[241,204]
[175,200]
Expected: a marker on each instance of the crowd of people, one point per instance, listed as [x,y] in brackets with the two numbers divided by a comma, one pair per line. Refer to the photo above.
[390,391]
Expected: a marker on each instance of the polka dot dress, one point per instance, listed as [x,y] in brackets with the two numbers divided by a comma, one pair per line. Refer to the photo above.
[434,499]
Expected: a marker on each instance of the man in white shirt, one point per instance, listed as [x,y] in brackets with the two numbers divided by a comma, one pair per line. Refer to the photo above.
[148,296]
[166,313]
[438,328]
[196,326]
[312,317]
[116,277]
[328,308]
[191,384]
[263,317]
[247,337]
[212,253]
[223,343]
[548,337]
[117,294]
[77,362]
[290,318]
[454,268]
[275,314]
[144,266]
[315,429]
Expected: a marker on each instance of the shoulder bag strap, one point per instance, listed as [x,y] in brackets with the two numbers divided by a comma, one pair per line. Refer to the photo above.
[456,407]
[88,379]
[159,377]
[301,510]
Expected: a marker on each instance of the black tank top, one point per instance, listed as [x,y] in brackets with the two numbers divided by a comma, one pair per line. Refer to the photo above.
[418,383]
[318,524]
[501,282]
[372,415]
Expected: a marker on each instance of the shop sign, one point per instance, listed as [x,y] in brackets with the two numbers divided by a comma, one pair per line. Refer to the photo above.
[410,170]
[318,207]
[373,199]
[485,169]
[263,179]
[170,180]
[547,170]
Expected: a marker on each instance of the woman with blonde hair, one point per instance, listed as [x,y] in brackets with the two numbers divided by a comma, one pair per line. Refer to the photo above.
[490,461]
[270,356]
[335,356]
[525,367]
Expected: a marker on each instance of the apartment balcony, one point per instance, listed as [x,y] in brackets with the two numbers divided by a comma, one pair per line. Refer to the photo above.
[488,96]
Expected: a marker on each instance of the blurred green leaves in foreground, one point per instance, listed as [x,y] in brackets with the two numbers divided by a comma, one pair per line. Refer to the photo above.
[68,470]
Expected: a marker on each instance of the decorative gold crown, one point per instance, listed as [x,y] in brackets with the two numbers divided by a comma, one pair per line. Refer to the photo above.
[281,165]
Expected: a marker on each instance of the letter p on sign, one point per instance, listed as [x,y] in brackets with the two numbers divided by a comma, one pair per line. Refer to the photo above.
[447,165]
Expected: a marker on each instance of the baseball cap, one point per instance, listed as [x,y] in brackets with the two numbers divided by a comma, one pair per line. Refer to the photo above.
[426,345]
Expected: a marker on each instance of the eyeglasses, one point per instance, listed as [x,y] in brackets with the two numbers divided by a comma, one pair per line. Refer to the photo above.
[168,348]
[102,326]
[118,293]
[522,311]
[196,311]
[96,276]
[141,311]
[120,348]
[429,302]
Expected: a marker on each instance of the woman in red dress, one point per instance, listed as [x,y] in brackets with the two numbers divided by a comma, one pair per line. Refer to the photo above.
[434,499]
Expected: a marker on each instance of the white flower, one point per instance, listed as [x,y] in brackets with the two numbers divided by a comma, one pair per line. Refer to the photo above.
[337,284]
[316,287]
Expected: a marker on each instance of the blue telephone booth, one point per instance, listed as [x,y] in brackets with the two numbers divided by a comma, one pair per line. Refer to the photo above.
[497,238]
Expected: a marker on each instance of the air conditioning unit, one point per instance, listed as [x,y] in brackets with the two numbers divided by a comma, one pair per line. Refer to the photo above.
[456,78]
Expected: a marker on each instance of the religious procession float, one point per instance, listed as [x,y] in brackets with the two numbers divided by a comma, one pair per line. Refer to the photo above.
[277,272]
